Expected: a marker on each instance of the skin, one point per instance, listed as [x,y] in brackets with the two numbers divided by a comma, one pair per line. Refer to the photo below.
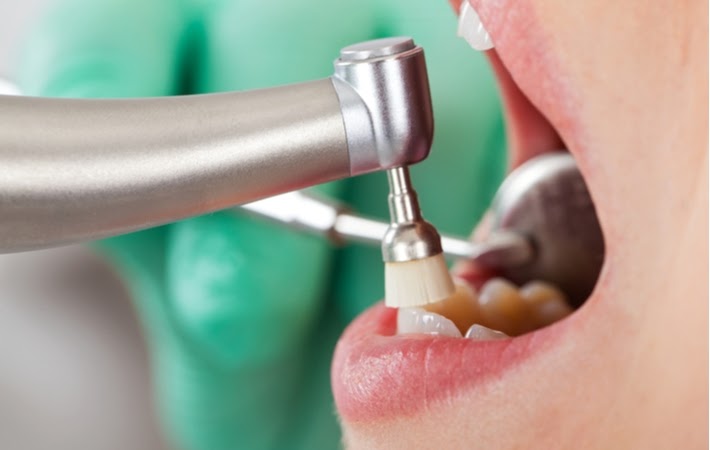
[635,374]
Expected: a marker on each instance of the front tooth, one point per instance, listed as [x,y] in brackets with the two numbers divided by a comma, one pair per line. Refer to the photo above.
[461,308]
[418,321]
[472,30]
[481,333]
[502,307]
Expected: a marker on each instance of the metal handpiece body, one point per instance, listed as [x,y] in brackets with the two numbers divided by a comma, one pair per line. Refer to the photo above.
[77,170]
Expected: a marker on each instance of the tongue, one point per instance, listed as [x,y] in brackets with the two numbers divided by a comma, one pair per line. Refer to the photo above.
[529,132]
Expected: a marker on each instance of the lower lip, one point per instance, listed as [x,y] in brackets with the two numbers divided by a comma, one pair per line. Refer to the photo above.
[377,374]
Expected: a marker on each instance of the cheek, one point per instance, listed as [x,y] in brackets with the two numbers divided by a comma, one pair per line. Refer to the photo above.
[630,66]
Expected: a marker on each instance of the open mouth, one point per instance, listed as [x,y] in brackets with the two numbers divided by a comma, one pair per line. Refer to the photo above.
[393,363]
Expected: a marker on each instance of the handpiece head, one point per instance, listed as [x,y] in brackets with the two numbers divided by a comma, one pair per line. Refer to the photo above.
[384,96]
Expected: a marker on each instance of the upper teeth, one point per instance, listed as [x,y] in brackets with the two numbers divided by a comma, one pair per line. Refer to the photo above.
[500,310]
[416,320]
[471,28]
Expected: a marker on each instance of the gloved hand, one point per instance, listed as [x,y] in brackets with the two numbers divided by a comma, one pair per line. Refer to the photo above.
[241,316]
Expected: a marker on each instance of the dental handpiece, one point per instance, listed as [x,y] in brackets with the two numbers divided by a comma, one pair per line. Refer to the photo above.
[544,226]
[335,222]
[75,170]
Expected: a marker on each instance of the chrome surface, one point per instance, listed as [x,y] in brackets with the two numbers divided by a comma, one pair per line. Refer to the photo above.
[326,218]
[300,211]
[76,170]
[547,201]
[409,237]
[502,249]
[384,94]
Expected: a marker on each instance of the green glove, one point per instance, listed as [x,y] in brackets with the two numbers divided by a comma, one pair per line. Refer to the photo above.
[241,316]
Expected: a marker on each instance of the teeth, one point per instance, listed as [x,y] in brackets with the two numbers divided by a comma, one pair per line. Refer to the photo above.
[481,333]
[461,308]
[500,305]
[503,308]
[418,321]
[472,30]
[546,303]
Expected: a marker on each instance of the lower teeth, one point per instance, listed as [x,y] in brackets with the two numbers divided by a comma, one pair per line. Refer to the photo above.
[499,311]
[481,333]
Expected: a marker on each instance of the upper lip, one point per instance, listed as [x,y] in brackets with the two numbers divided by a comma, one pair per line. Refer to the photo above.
[376,374]
[541,101]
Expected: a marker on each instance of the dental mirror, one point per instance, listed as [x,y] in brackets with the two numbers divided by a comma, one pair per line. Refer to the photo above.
[547,201]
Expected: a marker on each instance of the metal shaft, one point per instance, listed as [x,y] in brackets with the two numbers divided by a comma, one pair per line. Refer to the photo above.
[76,170]
[403,202]
[409,237]
[500,250]
[84,169]
[332,220]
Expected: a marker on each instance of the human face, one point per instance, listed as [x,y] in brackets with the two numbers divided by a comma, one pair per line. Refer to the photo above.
[623,85]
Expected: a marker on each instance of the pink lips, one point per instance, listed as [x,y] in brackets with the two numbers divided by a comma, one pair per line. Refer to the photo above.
[378,375]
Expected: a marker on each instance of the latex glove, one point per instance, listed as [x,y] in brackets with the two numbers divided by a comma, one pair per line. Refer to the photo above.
[241,316]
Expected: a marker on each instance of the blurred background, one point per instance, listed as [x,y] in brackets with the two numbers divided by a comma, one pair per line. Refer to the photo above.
[73,366]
